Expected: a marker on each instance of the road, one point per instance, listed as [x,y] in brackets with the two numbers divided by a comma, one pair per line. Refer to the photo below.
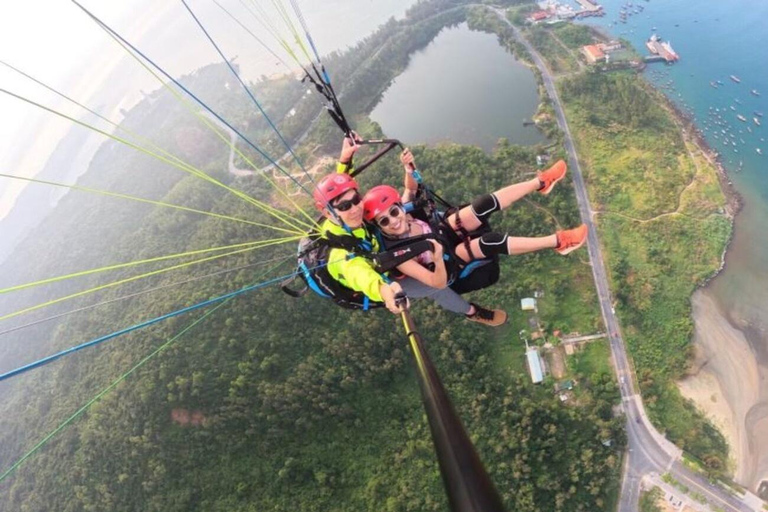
[648,450]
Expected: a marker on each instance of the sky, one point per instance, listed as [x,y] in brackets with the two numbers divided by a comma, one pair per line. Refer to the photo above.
[58,44]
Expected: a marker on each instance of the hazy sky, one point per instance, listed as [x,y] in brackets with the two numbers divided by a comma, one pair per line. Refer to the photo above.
[57,43]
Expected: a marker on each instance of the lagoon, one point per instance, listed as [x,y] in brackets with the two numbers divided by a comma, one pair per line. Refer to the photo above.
[463,88]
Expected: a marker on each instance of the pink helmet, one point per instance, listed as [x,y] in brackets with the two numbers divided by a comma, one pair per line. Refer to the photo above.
[378,200]
[332,186]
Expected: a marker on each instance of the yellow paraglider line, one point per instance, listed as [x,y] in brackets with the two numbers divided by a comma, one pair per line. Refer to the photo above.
[130,144]
[150,201]
[141,276]
[131,52]
[187,167]
[135,263]
[120,379]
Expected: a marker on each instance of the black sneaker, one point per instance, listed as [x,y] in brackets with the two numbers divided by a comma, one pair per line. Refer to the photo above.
[490,317]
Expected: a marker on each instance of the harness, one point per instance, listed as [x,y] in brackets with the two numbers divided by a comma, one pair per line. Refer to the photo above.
[313,258]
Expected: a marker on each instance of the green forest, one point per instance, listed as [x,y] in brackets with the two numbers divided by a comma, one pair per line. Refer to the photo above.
[273,403]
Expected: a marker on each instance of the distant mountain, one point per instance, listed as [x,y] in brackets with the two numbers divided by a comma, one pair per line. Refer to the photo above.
[68,160]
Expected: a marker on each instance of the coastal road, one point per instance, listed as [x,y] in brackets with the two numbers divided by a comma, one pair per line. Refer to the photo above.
[648,450]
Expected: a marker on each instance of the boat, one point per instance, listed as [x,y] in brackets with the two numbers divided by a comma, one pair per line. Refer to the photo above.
[759,151]
[719,82]
[757,121]
[758,114]
[741,118]
[736,79]
[754,91]
[733,108]
[713,84]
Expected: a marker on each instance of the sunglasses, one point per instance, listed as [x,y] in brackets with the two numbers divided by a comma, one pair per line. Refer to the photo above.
[343,206]
[385,220]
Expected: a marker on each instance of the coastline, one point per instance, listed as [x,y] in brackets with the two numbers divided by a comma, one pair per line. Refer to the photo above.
[724,379]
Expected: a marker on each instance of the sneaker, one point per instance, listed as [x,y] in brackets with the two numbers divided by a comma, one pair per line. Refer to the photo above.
[490,317]
[571,239]
[551,176]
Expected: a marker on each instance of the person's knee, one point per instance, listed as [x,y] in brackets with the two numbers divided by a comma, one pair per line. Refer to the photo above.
[483,206]
[493,244]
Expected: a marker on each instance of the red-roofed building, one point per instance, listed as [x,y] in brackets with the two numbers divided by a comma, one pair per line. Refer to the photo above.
[593,53]
[539,16]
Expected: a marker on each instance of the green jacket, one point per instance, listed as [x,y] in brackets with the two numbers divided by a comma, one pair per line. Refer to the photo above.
[356,273]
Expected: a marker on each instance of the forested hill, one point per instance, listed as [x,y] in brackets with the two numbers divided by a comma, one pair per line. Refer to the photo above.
[273,403]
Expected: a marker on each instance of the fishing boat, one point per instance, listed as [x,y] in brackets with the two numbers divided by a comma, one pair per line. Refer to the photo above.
[757,121]
[733,108]
[741,118]
[754,91]
[719,82]
[736,79]
[758,114]
[713,84]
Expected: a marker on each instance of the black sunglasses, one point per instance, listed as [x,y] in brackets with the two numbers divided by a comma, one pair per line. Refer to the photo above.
[393,212]
[345,205]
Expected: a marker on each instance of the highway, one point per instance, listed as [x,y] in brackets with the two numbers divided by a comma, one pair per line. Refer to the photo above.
[648,450]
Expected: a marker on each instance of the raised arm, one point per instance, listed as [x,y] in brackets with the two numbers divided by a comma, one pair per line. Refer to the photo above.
[411,185]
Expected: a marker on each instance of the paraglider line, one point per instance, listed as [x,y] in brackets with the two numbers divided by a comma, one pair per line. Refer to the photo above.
[117,381]
[137,294]
[192,95]
[248,91]
[147,323]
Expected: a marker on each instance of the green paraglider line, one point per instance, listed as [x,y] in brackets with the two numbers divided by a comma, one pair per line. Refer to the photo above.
[148,201]
[125,375]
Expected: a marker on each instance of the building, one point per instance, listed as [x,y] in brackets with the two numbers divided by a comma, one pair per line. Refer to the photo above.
[593,53]
[534,365]
[528,304]
[538,16]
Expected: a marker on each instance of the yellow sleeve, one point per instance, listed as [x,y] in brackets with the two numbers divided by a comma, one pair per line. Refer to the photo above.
[356,273]
[342,168]
[361,277]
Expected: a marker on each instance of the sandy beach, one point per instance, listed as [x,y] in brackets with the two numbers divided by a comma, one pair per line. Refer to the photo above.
[725,384]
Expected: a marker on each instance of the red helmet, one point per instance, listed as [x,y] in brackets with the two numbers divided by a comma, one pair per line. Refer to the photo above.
[331,187]
[378,200]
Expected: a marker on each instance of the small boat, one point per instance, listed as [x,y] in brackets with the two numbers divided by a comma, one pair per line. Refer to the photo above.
[754,91]
[758,114]
[759,151]
[737,100]
[736,79]
[719,82]
[757,121]
[733,108]
[741,118]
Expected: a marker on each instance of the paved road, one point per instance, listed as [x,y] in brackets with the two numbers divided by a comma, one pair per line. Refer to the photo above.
[648,451]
